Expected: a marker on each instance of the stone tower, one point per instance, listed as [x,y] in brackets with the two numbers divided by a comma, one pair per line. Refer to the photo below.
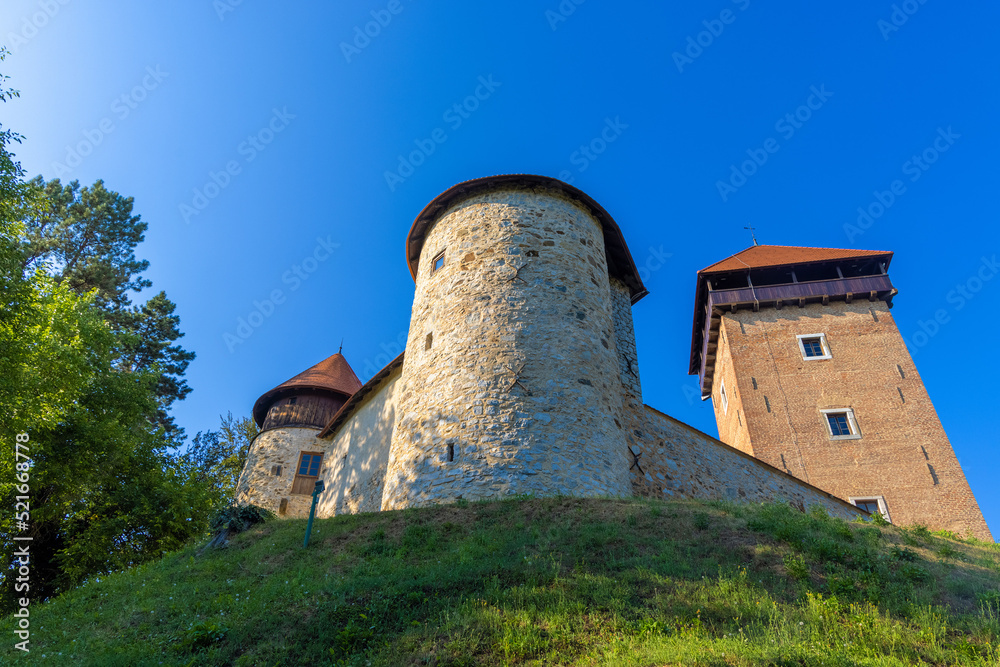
[286,458]
[807,371]
[520,351]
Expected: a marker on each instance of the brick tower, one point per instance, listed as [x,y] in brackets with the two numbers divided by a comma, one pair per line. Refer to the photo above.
[807,371]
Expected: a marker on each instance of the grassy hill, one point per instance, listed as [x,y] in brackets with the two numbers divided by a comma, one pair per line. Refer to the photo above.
[543,582]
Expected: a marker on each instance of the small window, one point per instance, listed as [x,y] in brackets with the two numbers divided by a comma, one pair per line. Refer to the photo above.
[814,346]
[428,341]
[724,398]
[841,424]
[451,453]
[307,473]
[293,400]
[437,263]
[872,504]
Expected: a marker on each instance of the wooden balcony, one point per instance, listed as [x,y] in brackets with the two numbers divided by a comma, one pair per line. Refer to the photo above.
[872,288]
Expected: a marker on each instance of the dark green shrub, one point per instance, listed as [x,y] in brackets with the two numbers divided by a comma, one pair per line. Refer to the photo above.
[237,518]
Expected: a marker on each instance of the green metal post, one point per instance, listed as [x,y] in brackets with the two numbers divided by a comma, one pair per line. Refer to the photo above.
[312,510]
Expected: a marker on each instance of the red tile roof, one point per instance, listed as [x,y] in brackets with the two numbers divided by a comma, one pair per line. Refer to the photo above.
[332,374]
[760,256]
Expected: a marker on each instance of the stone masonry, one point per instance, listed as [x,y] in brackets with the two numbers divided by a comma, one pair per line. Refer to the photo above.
[512,381]
[520,376]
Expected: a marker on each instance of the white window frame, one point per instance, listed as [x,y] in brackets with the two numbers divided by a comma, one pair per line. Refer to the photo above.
[723,397]
[882,508]
[822,341]
[852,424]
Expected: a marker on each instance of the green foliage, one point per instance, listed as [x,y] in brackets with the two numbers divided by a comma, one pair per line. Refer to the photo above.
[217,457]
[238,518]
[796,566]
[89,380]
[521,583]
[86,237]
[201,635]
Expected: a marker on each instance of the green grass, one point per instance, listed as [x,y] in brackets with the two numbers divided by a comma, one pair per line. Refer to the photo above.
[543,582]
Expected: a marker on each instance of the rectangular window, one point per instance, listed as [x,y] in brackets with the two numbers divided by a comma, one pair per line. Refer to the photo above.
[437,263]
[841,424]
[814,346]
[307,472]
[872,504]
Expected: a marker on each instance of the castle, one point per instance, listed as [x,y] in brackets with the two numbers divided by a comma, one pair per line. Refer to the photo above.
[520,376]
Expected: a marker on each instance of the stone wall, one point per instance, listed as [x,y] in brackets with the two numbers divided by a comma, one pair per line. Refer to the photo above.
[358,451]
[279,447]
[628,356]
[672,460]
[511,380]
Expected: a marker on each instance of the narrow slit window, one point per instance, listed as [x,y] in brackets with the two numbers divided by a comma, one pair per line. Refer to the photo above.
[429,341]
[901,373]
[724,398]
[451,453]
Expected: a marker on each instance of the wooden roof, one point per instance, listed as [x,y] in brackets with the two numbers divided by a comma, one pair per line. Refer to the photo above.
[620,263]
[333,374]
[764,257]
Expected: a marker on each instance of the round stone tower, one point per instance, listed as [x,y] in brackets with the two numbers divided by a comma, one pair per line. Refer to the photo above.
[512,380]
[286,457]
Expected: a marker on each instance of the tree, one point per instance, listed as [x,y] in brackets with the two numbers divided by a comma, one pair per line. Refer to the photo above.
[86,238]
[218,457]
[89,380]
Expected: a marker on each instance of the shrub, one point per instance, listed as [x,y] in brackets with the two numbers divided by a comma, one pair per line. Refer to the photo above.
[237,518]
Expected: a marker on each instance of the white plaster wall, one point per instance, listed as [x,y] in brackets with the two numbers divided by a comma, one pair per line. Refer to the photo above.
[357,454]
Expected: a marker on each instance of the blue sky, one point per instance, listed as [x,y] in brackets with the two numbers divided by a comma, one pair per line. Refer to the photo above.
[256,140]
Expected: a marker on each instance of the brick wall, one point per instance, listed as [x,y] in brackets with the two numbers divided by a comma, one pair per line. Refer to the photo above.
[903,454]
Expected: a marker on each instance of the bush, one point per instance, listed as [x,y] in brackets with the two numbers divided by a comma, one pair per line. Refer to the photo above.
[237,518]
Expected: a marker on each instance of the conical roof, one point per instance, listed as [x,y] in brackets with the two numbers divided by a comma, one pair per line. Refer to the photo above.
[332,374]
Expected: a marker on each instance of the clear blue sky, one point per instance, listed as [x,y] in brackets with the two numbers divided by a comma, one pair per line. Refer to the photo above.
[199,79]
